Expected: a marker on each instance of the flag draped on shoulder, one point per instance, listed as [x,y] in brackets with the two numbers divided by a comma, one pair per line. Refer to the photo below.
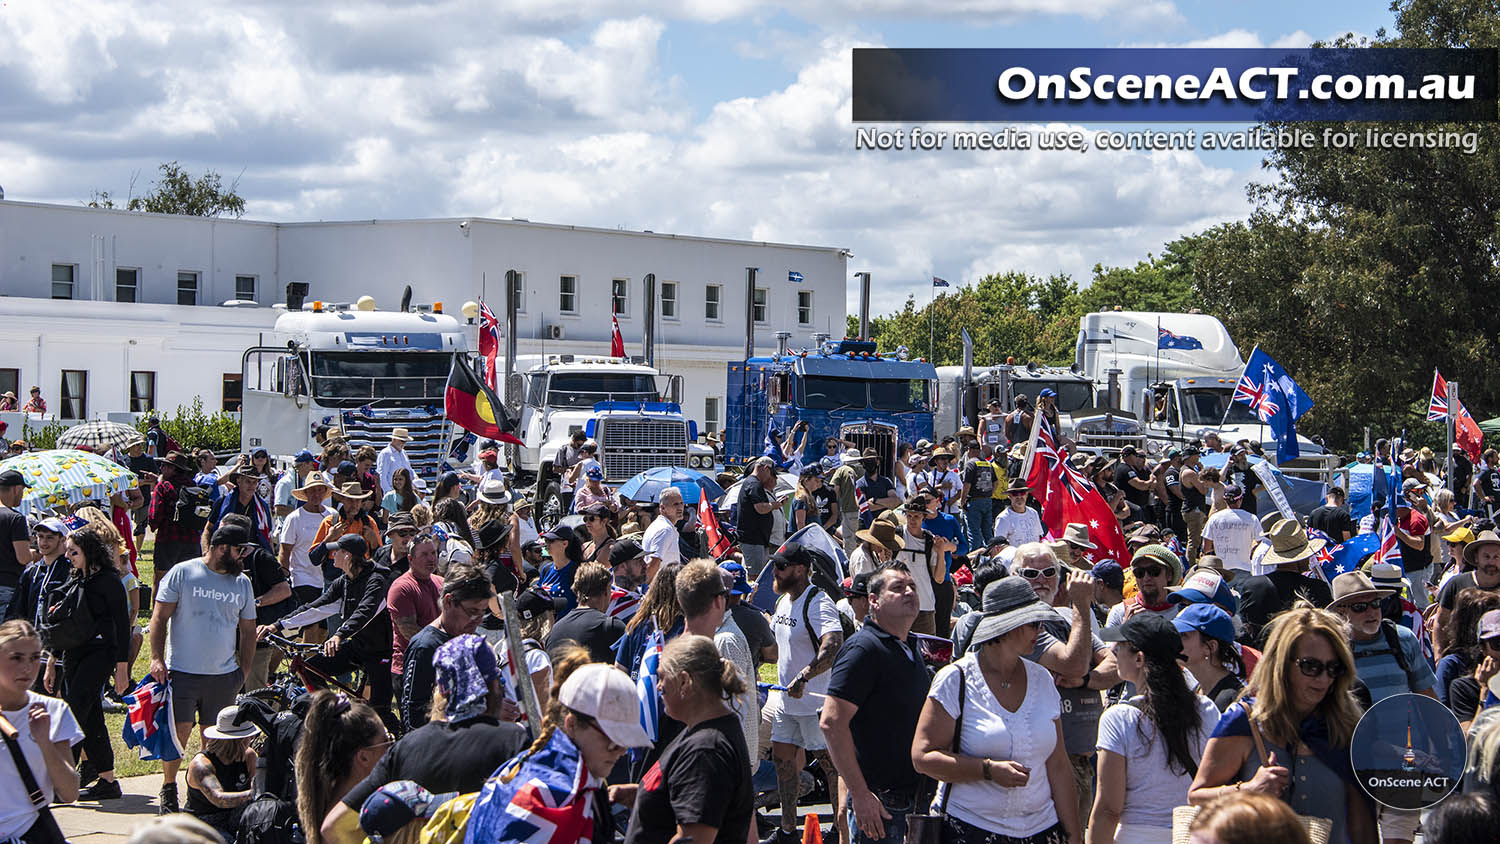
[645,684]
[547,800]
[1276,399]
[470,404]
[1067,497]
[149,723]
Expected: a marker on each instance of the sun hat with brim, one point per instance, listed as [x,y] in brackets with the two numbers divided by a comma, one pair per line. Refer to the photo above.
[881,533]
[1289,544]
[493,491]
[1214,563]
[519,501]
[1385,575]
[400,434]
[1149,633]
[1008,603]
[608,696]
[1018,451]
[1207,619]
[1483,540]
[353,491]
[1355,586]
[240,469]
[1078,534]
[314,479]
[1489,625]
[1462,534]
[1017,485]
[177,460]
[227,726]
[491,534]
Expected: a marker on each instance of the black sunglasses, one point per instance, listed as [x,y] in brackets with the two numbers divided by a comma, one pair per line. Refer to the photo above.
[1362,606]
[1314,668]
[1148,571]
[1491,644]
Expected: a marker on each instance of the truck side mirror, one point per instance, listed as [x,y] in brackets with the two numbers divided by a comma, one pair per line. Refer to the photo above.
[674,389]
[291,376]
[1146,408]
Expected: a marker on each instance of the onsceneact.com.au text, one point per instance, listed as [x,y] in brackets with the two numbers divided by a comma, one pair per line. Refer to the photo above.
[1254,83]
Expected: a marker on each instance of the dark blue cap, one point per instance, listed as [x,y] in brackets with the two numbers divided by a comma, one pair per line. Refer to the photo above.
[1110,574]
[304,456]
[1206,619]
[347,468]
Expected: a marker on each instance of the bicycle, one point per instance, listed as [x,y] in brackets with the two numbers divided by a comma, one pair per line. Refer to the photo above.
[296,677]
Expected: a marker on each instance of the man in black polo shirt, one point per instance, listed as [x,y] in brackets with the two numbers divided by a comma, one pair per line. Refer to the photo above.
[870,715]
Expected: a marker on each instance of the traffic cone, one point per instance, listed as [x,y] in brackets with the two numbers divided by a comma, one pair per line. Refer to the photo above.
[812,831]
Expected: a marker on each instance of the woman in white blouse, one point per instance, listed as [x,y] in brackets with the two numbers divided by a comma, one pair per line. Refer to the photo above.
[1009,777]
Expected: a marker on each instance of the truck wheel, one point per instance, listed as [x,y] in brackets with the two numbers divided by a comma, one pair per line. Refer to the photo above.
[549,507]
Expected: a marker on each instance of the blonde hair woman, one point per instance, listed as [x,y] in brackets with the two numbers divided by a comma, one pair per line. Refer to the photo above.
[1299,707]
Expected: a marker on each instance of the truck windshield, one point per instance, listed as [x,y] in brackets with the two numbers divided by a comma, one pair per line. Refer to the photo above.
[1206,407]
[820,393]
[583,389]
[1071,395]
[901,395]
[368,376]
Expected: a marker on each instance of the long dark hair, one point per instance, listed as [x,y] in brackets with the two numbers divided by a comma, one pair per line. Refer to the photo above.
[98,554]
[446,484]
[659,605]
[1470,604]
[1173,708]
[336,728]
[451,511]
[408,496]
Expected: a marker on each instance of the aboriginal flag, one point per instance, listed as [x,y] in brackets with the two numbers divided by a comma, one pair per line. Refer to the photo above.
[470,404]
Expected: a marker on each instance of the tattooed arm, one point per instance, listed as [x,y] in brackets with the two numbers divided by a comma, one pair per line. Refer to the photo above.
[828,648]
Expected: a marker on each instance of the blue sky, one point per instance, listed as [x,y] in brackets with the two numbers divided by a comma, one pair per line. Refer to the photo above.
[727,118]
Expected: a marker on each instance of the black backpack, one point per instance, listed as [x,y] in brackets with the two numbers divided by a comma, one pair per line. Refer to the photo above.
[193,507]
[67,621]
[844,622]
[267,819]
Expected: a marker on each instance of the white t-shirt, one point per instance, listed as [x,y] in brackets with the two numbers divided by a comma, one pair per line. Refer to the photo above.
[16,812]
[298,530]
[913,555]
[1027,735]
[1233,533]
[536,660]
[794,648]
[949,483]
[660,540]
[1151,787]
[1018,528]
[730,641]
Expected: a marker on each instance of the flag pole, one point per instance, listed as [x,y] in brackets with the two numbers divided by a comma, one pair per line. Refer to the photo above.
[1452,417]
[931,308]
[1237,381]
[1158,348]
[1036,428]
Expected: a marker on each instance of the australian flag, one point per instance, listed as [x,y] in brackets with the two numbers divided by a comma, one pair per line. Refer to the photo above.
[540,798]
[1167,340]
[149,725]
[1275,398]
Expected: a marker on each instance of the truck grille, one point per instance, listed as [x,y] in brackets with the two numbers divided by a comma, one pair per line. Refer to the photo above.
[1108,442]
[628,447]
[426,449]
[882,438]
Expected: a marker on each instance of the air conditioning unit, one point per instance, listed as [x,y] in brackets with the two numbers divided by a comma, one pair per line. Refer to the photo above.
[553,332]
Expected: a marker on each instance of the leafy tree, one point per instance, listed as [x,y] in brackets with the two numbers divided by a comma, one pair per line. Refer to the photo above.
[177,192]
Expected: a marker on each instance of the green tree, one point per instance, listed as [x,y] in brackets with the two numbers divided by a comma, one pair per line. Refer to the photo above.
[177,192]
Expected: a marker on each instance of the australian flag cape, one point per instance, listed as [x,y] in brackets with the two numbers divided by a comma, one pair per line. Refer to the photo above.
[549,800]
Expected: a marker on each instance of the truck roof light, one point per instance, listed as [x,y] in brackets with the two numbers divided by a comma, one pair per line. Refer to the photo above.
[437,307]
[317,306]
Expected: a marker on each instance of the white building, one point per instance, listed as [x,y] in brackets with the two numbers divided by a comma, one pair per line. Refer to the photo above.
[113,311]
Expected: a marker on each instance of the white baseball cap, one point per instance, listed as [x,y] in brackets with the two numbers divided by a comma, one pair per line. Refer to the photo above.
[606,694]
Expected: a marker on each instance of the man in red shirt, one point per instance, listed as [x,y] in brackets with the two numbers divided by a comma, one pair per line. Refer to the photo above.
[1411,530]
[413,600]
[176,539]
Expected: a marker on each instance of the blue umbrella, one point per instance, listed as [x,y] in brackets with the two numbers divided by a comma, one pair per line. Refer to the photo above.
[649,485]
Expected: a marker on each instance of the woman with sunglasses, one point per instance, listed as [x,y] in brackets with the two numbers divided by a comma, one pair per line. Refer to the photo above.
[1467,652]
[599,524]
[1300,706]
[1468,693]
[342,739]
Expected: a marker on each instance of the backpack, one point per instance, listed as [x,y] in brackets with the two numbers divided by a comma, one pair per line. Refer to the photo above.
[267,819]
[844,623]
[1393,647]
[67,621]
[193,507]
[451,547]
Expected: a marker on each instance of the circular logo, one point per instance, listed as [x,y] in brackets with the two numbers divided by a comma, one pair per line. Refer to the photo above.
[1408,752]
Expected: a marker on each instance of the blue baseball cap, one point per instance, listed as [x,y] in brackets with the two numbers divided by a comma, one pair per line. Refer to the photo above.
[1205,587]
[1047,393]
[53,524]
[1110,574]
[741,584]
[1206,619]
[347,468]
[304,456]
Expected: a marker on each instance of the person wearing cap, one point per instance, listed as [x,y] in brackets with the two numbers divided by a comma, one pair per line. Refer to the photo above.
[48,572]
[144,467]
[1412,526]
[243,500]
[703,594]
[282,500]
[1210,653]
[538,610]
[394,457]
[564,554]
[1132,477]
[757,499]
[1018,523]
[876,491]
[485,468]
[273,597]
[589,624]
[1012,776]
[855,604]
[1483,554]
[1266,595]
[1017,424]
[1149,745]
[35,404]
[875,697]
[593,494]
[1231,531]
[15,537]
[992,425]
[203,638]
[754,624]
[1109,588]
[813,502]
[627,564]
[363,636]
[1193,488]
[842,481]
[395,555]
[221,775]
[1453,548]
[398,811]
[1333,516]
[1237,470]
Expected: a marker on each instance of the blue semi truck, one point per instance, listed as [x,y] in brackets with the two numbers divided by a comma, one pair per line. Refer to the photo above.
[841,388]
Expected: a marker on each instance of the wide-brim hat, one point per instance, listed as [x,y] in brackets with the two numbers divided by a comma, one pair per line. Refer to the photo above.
[1018,451]
[353,491]
[1483,540]
[1077,533]
[1356,586]
[1289,543]
[314,479]
[226,726]
[178,460]
[400,434]
[1010,603]
[240,468]
[965,431]
[493,491]
[1017,485]
[881,533]
[491,534]
[850,456]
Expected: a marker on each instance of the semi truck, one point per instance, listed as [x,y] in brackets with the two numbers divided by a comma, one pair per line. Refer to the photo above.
[1084,410]
[840,388]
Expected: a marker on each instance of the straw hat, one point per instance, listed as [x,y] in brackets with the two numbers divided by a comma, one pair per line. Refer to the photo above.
[1356,586]
[314,479]
[493,491]
[1484,540]
[400,434]
[1289,543]
[881,533]
[352,491]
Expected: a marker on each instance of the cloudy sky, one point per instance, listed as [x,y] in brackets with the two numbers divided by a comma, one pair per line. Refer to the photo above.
[728,118]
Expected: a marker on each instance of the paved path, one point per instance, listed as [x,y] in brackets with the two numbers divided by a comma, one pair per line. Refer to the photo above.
[110,821]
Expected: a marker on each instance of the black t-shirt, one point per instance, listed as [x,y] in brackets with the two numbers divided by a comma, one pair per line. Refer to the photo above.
[398,566]
[12,530]
[265,572]
[1463,697]
[590,628]
[1173,478]
[419,675]
[1266,595]
[1463,469]
[1334,521]
[1489,484]
[1447,597]
[1122,475]
[886,679]
[443,757]
[756,627]
[873,489]
[703,777]
[1249,481]
[981,478]
[1223,693]
[754,527]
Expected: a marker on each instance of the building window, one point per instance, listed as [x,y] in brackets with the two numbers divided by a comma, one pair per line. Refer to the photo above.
[62,280]
[244,287]
[127,285]
[10,382]
[187,288]
[74,392]
[142,391]
[567,294]
[711,415]
[619,296]
[233,392]
[760,304]
[804,307]
[711,296]
[669,300]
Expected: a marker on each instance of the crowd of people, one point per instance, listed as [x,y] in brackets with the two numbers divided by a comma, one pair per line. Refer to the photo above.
[973,678]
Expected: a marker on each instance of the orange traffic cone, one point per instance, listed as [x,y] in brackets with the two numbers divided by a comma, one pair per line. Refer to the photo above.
[812,831]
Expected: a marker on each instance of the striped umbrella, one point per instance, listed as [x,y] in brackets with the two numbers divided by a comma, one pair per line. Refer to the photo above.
[65,476]
[99,434]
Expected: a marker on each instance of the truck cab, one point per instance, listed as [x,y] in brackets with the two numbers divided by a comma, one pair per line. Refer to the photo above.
[1085,412]
[842,389]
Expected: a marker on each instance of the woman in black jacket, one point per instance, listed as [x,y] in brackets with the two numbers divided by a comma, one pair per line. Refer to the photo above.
[88,666]
[363,640]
